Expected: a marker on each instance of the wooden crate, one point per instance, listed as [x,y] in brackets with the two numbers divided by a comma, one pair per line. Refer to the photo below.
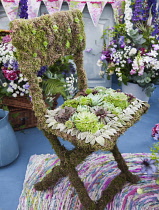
[22,118]
[21,102]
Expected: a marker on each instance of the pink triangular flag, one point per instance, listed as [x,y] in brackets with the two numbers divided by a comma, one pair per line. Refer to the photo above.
[53,6]
[11,8]
[118,13]
[76,5]
[95,9]
[33,8]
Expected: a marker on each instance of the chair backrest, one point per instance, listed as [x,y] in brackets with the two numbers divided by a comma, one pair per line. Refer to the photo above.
[42,41]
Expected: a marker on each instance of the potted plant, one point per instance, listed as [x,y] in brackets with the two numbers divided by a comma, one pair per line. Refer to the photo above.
[132,54]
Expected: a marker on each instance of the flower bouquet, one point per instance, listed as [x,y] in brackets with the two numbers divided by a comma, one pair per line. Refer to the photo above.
[12,82]
[132,54]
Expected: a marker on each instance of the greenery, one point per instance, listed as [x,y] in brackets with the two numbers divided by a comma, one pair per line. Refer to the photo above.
[155,151]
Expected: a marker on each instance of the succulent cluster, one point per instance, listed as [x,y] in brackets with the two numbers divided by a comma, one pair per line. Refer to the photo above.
[96,117]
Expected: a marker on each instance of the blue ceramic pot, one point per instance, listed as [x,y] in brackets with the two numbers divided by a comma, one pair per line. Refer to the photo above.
[9,149]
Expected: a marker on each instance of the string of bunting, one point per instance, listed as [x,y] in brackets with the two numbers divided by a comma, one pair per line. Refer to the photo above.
[95,7]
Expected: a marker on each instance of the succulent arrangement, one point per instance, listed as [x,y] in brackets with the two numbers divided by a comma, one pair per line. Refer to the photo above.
[97,115]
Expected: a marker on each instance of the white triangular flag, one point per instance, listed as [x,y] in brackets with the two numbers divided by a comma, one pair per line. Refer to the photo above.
[33,8]
[11,8]
[76,5]
[53,6]
[95,9]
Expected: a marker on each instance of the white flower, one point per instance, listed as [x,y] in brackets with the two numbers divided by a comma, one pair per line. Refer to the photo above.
[153,53]
[21,94]
[9,89]
[39,79]
[133,51]
[25,79]
[14,95]
[4,84]
[99,63]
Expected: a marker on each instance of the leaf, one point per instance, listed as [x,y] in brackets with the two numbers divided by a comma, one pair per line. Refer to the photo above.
[100,140]
[53,86]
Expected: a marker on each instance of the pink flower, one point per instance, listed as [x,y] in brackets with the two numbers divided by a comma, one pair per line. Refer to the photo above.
[155,132]
[6,39]
[133,71]
[10,74]
[156,46]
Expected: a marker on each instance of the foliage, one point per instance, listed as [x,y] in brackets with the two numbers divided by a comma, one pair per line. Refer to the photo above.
[155,151]
[132,53]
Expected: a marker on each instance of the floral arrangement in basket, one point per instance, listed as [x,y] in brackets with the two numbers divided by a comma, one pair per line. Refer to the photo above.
[132,53]
[58,78]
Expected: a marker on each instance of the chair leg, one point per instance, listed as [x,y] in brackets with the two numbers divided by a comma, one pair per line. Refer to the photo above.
[123,166]
[67,166]
[50,179]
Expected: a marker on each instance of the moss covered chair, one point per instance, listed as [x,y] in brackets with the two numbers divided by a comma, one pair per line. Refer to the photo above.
[92,121]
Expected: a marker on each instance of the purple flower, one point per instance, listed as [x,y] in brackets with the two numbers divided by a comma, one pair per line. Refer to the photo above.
[26,86]
[148,166]
[6,39]
[15,65]
[102,57]
[88,50]
[129,60]
[23,9]
[42,71]
[107,55]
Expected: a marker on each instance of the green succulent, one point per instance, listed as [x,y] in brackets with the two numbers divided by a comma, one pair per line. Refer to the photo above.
[88,91]
[96,100]
[83,108]
[84,100]
[87,121]
[69,124]
[71,103]
[118,99]
[55,28]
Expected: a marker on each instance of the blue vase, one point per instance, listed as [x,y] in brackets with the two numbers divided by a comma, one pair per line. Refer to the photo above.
[9,149]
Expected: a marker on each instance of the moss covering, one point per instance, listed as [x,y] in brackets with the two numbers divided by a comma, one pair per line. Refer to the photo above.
[42,41]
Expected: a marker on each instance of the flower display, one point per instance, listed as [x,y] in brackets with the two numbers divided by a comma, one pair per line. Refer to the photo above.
[132,54]
[155,132]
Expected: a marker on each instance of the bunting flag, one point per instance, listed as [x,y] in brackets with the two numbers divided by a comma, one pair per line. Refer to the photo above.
[95,9]
[33,8]
[76,5]
[11,8]
[117,9]
[53,6]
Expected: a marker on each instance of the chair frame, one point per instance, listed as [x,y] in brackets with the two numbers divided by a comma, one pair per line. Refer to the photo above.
[32,54]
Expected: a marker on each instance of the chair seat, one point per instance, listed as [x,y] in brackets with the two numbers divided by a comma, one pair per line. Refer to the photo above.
[96,118]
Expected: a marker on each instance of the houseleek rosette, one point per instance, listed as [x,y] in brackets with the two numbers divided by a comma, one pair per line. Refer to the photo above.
[86,121]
